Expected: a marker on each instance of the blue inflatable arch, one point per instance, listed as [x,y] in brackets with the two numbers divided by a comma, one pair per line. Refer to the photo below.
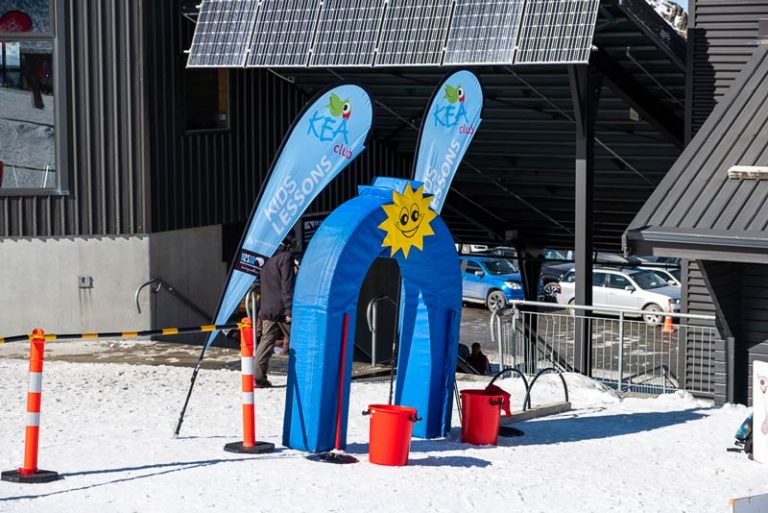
[327,287]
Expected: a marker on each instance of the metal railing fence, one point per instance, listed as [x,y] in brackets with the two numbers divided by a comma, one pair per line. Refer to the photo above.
[628,353]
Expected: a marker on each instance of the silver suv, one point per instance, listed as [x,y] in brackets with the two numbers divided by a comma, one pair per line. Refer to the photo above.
[635,289]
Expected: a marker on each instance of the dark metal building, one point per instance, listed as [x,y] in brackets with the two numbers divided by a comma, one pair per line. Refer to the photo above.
[721,38]
[706,210]
[131,161]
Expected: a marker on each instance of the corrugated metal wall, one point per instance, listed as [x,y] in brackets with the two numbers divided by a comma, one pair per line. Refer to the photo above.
[754,317]
[698,300]
[738,294]
[106,164]
[133,168]
[214,177]
[722,37]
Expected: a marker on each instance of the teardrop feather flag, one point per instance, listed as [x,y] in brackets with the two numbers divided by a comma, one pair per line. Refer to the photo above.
[447,130]
[327,136]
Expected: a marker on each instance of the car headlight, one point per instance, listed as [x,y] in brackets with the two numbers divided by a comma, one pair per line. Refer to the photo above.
[513,285]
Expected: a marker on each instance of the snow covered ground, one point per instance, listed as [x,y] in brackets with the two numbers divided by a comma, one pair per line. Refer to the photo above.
[107,428]
[673,13]
[27,138]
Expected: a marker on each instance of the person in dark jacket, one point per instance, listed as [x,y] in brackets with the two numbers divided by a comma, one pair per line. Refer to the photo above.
[277,281]
[478,360]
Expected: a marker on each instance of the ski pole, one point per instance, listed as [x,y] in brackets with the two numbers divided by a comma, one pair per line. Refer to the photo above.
[252,314]
[189,392]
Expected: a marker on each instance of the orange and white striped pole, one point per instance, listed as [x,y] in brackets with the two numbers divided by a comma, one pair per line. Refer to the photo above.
[29,473]
[249,443]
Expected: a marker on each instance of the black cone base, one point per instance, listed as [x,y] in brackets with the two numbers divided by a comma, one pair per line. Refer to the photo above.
[258,448]
[336,457]
[41,476]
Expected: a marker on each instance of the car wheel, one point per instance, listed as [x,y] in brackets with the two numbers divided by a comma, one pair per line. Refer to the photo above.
[653,316]
[571,310]
[495,300]
[550,289]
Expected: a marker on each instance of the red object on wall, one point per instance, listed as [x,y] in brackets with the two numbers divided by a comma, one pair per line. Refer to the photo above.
[15,21]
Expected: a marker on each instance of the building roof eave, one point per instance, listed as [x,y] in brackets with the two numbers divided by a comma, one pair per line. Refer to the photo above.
[719,245]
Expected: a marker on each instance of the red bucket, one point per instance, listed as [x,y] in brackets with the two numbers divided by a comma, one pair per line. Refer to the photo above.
[391,428]
[480,414]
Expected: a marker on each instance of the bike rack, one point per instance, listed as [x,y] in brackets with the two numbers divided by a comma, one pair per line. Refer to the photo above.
[548,370]
[528,412]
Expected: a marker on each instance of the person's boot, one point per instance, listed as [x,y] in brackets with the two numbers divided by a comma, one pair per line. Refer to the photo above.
[262,384]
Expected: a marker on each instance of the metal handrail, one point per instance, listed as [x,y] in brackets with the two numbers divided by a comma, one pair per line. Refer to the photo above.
[557,306]
[158,284]
[370,315]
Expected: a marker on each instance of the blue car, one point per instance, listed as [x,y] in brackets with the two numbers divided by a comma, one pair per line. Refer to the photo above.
[490,281]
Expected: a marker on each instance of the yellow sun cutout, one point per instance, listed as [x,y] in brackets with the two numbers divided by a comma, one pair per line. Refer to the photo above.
[407,222]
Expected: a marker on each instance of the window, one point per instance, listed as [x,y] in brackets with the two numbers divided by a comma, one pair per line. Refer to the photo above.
[472,267]
[206,96]
[598,279]
[617,281]
[501,266]
[649,280]
[28,149]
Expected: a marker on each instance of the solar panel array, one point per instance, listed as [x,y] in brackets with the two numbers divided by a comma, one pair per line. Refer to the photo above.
[223,33]
[379,33]
[557,31]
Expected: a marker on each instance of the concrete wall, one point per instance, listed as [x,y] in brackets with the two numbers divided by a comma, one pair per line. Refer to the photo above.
[39,281]
[190,261]
[39,284]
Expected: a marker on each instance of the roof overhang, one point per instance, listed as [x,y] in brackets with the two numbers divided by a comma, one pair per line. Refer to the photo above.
[719,245]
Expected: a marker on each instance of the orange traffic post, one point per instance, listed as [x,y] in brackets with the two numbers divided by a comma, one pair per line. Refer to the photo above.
[669,326]
[29,473]
[249,443]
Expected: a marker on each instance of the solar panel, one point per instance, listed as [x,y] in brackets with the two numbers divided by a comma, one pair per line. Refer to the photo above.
[347,33]
[414,32]
[283,33]
[484,32]
[557,31]
[223,33]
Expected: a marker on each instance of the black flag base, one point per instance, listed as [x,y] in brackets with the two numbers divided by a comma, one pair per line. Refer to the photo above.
[40,476]
[335,456]
[510,431]
[257,448]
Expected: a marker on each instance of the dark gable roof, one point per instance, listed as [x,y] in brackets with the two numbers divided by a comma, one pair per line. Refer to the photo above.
[696,207]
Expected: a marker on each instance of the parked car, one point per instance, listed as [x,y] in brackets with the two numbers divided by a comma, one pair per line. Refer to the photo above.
[466,249]
[552,271]
[490,281]
[551,274]
[632,288]
[500,251]
[672,275]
